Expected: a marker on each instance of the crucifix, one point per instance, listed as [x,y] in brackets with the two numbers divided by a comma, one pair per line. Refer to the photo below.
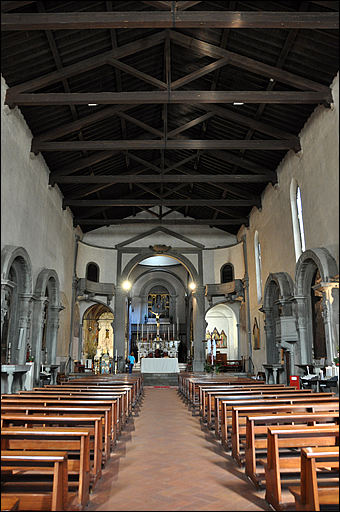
[157,320]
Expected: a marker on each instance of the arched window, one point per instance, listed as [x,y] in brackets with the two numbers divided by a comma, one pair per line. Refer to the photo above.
[92,272]
[258,266]
[227,273]
[297,219]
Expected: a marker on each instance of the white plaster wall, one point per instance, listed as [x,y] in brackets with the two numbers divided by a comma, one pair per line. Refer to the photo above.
[31,212]
[317,173]
[106,259]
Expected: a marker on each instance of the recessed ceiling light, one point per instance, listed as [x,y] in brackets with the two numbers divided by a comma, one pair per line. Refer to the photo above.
[92,104]
[237,103]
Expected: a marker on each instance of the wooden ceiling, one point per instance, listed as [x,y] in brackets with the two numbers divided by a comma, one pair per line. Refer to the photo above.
[194,104]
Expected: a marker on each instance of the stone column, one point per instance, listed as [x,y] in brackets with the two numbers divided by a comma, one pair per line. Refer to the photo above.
[119,322]
[302,328]
[36,336]
[199,328]
[24,322]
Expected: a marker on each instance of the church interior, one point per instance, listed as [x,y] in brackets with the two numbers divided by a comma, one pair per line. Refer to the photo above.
[170,188]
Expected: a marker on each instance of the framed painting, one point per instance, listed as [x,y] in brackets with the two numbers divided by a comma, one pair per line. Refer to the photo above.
[256,335]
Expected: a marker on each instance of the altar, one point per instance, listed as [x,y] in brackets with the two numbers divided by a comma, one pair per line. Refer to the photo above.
[159,365]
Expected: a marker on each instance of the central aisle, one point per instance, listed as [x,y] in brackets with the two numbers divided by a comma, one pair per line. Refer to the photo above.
[166,460]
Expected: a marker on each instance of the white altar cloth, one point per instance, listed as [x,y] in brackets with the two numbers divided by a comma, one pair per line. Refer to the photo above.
[159,365]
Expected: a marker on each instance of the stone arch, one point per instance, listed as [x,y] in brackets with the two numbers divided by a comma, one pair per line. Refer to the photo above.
[230,327]
[279,321]
[16,297]
[45,318]
[306,266]
[197,278]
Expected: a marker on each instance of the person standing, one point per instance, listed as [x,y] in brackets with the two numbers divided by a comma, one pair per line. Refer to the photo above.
[131,361]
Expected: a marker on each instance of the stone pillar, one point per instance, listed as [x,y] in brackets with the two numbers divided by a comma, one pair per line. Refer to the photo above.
[36,336]
[53,334]
[330,313]
[119,331]
[24,322]
[199,328]
[302,328]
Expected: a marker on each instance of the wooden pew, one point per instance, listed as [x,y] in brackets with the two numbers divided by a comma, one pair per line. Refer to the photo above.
[69,404]
[257,430]
[123,390]
[206,390]
[94,423]
[9,503]
[76,441]
[283,460]
[228,405]
[53,409]
[240,412]
[214,401]
[76,395]
[37,494]
[310,495]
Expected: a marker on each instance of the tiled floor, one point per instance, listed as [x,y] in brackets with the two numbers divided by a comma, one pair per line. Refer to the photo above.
[166,460]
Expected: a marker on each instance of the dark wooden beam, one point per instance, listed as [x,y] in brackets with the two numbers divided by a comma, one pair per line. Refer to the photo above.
[179,222]
[164,202]
[10,6]
[125,145]
[93,62]
[177,178]
[157,97]
[154,19]
[254,66]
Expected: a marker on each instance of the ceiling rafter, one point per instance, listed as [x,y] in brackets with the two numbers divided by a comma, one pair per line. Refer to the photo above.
[154,19]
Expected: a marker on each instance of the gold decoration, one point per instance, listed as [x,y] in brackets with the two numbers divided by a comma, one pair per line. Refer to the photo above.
[159,248]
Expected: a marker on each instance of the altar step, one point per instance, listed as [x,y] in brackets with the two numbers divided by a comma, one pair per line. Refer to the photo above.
[160,379]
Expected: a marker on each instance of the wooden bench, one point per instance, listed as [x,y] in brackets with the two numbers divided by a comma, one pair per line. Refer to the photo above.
[206,391]
[257,430]
[124,392]
[59,409]
[37,494]
[77,395]
[9,503]
[75,441]
[93,422]
[233,404]
[283,463]
[310,494]
[240,412]
[214,401]
[69,404]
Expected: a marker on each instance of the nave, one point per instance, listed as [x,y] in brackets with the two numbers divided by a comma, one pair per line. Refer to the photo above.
[165,459]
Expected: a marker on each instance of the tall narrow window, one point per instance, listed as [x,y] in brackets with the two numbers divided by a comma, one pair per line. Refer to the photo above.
[258,265]
[300,219]
[297,219]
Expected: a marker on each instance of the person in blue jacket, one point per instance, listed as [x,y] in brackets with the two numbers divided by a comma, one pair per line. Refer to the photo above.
[132,361]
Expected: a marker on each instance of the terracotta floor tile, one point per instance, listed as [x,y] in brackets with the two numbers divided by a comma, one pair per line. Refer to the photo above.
[165,459]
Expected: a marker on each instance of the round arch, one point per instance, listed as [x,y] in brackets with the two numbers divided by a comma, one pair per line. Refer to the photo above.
[308,263]
[178,257]
[16,297]
[222,316]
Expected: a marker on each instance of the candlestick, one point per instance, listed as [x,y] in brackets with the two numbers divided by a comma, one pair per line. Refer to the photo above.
[168,333]
[177,326]
[142,332]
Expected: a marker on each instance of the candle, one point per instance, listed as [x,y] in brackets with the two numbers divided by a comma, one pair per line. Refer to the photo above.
[173,331]
[168,333]
[177,326]
[116,354]
[142,331]
[147,333]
